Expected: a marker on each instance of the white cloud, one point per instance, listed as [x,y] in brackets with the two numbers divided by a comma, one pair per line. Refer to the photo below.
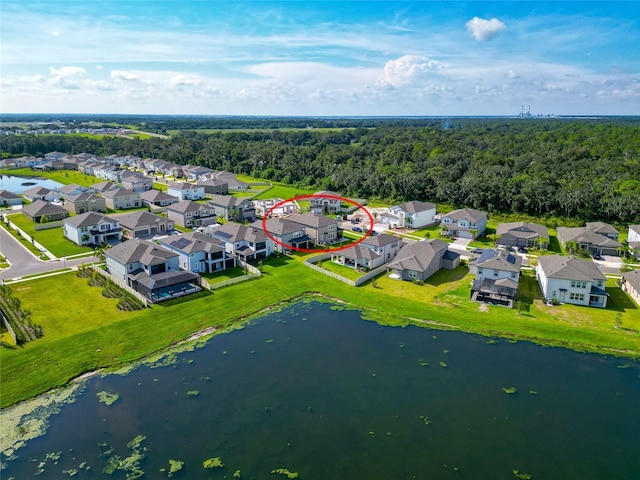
[407,68]
[485,30]
[67,71]
[184,81]
[123,75]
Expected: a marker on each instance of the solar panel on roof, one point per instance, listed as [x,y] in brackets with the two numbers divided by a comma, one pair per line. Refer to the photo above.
[181,243]
[224,235]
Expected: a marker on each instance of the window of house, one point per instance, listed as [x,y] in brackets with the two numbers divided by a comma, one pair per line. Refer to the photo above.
[577,284]
[577,296]
[480,271]
[412,274]
[496,273]
[513,274]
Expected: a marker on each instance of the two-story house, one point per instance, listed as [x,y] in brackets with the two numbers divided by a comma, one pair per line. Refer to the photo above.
[410,215]
[275,207]
[417,261]
[522,234]
[85,202]
[246,243]
[597,237]
[144,225]
[571,280]
[156,198]
[321,229]
[497,276]
[136,182]
[122,199]
[198,253]
[150,270]
[631,284]
[91,228]
[232,208]
[288,235]
[325,202]
[41,193]
[372,252]
[189,214]
[633,239]
[464,223]
[186,191]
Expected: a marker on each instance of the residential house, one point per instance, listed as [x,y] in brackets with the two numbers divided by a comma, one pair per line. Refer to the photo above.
[144,225]
[196,172]
[214,186]
[325,201]
[85,202]
[23,162]
[412,214]
[372,252]
[41,193]
[42,212]
[597,237]
[105,186]
[464,223]
[91,228]
[288,235]
[73,189]
[571,280]
[246,243]
[232,208]
[321,229]
[631,284]
[136,182]
[522,234]
[497,275]
[157,198]
[151,270]
[88,166]
[49,165]
[122,199]
[275,207]
[633,239]
[230,179]
[55,155]
[9,199]
[198,253]
[417,261]
[188,213]
[186,191]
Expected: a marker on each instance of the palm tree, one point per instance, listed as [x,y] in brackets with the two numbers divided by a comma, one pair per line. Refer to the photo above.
[99,252]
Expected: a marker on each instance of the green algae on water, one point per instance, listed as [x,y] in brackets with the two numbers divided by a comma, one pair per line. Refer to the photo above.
[107,398]
[214,462]
[509,390]
[175,466]
[286,472]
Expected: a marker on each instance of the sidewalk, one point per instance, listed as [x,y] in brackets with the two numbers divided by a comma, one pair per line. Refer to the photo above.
[36,244]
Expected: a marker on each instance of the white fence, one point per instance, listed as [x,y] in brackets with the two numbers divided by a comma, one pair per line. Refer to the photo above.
[47,225]
[253,273]
[310,262]
[5,322]
[122,284]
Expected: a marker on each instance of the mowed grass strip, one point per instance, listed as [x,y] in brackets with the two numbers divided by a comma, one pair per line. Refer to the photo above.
[110,337]
[52,239]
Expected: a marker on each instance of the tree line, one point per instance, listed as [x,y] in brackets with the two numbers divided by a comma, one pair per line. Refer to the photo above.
[588,169]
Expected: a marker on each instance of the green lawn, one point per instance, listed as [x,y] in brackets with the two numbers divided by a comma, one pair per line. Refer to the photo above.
[347,272]
[227,274]
[51,239]
[84,331]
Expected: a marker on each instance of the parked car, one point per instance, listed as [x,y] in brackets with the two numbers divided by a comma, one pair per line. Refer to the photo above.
[373,233]
[357,229]
[477,250]
[597,257]
[522,250]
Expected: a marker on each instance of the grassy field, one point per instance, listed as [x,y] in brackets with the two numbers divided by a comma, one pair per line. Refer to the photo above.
[84,332]
[63,176]
[342,270]
[52,239]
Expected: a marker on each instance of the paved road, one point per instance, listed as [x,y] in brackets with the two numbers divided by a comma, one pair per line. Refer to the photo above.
[23,262]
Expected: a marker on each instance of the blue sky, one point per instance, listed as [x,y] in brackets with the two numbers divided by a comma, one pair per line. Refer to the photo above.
[320,57]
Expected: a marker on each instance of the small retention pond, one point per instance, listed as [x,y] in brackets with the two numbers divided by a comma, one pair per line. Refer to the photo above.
[21,184]
[321,393]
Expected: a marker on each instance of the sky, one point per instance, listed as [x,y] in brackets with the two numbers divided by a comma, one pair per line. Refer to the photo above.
[320,58]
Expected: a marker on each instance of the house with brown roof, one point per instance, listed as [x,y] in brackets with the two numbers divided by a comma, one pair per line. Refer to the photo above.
[122,199]
[289,235]
[571,280]
[188,214]
[464,223]
[321,229]
[41,211]
[136,182]
[85,202]
[144,225]
[417,261]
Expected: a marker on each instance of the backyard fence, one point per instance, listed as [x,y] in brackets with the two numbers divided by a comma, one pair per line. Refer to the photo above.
[311,263]
[122,284]
[47,226]
[253,273]
[5,322]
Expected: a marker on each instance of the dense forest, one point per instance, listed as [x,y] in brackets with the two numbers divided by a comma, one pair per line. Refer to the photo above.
[588,169]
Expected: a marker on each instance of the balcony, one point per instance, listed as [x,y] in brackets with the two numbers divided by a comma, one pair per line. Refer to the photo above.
[95,231]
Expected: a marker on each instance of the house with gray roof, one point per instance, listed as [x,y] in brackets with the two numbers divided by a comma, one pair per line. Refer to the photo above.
[41,193]
[91,228]
[214,186]
[156,198]
[244,242]
[633,240]
[232,208]
[417,261]
[9,199]
[188,214]
[85,202]
[631,284]
[412,214]
[150,270]
[571,280]
[325,201]
[233,184]
[143,224]
[372,252]
[597,237]
[497,275]
[198,253]
[41,211]
[464,223]
[136,181]
[321,229]
[522,234]
[186,191]
[74,189]
[288,235]
[122,199]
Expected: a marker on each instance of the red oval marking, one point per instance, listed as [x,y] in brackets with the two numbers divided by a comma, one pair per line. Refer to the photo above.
[316,250]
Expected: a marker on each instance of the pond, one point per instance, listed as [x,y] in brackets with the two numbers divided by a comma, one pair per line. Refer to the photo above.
[21,184]
[324,394]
